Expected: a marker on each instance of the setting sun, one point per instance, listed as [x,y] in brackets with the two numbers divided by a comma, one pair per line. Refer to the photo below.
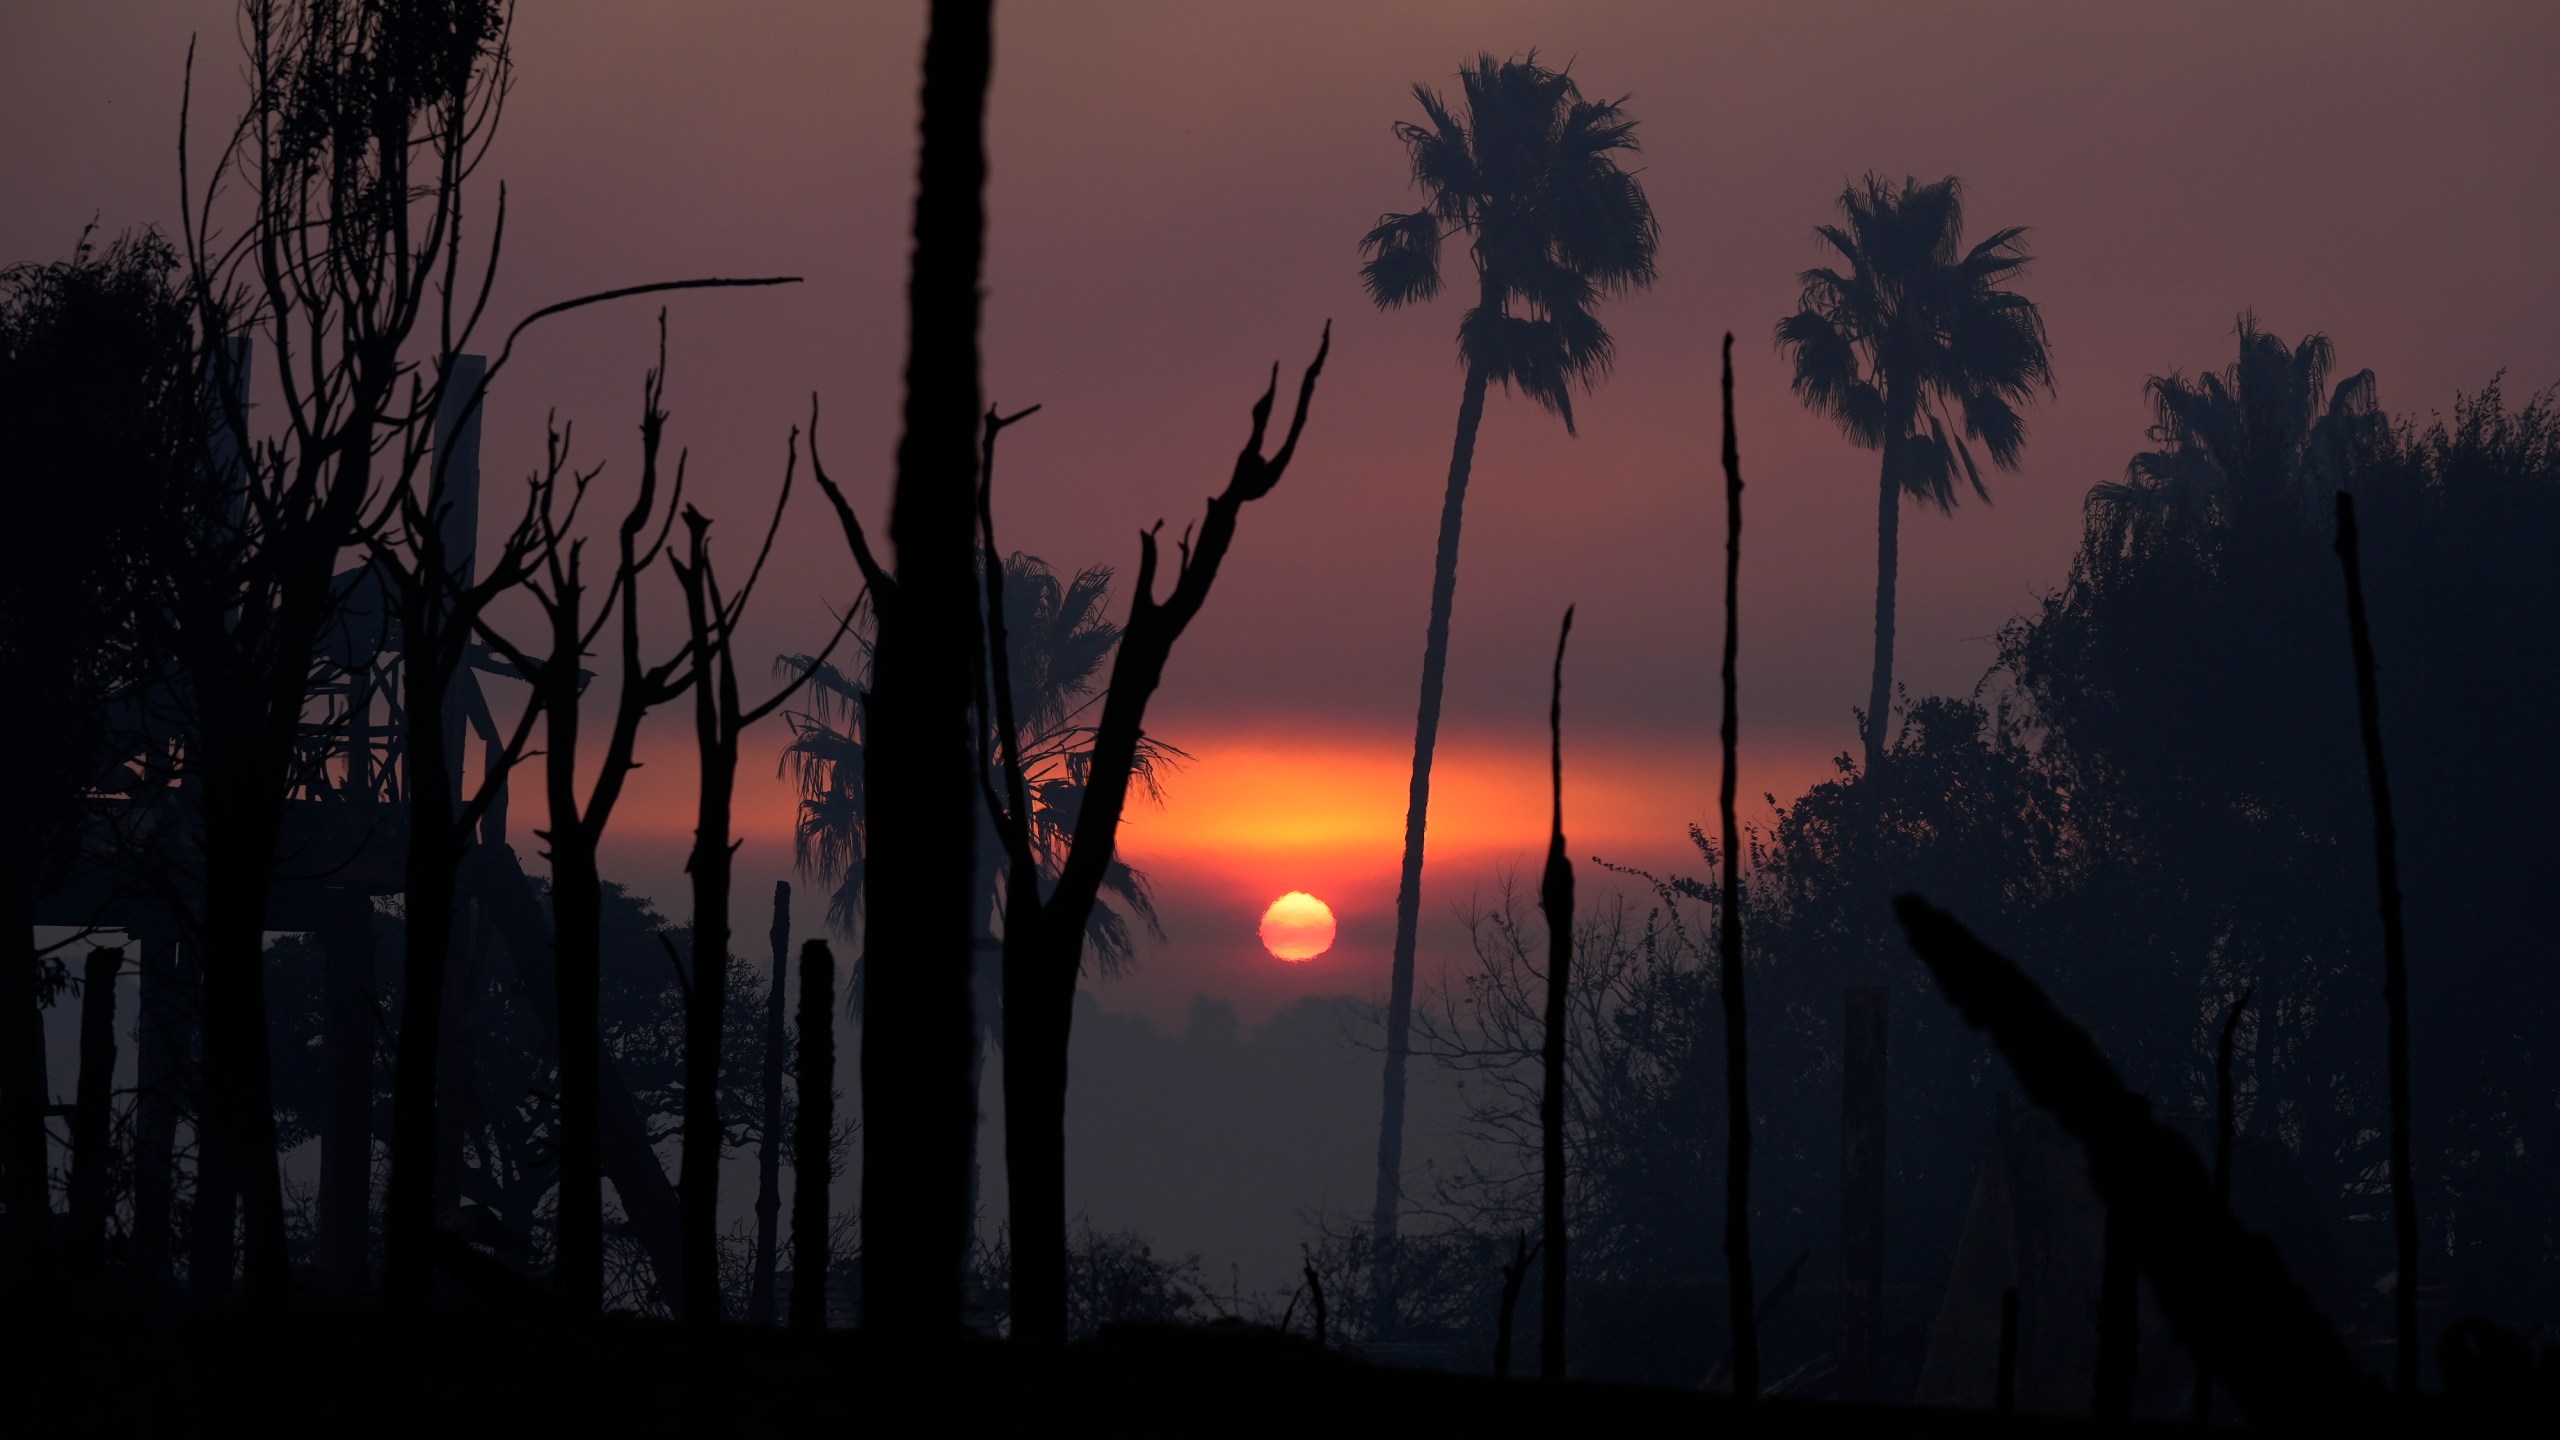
[1298,926]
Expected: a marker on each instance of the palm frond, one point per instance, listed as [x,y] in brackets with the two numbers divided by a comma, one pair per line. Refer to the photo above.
[1404,259]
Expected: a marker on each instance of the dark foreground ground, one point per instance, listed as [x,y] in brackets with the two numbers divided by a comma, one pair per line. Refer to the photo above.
[510,1373]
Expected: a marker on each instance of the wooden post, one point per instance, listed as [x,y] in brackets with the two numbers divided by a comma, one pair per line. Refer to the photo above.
[1862,1140]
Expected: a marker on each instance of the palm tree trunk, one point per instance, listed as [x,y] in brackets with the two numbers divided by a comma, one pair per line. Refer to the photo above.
[1888,563]
[769,1141]
[809,1169]
[1426,738]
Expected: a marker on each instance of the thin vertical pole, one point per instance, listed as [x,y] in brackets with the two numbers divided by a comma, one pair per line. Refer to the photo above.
[1740,1293]
[2395,961]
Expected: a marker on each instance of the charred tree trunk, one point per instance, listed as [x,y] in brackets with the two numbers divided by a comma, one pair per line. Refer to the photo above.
[1555,897]
[777,1035]
[1044,940]
[810,1168]
[920,764]
[1862,1140]
[706,1017]
[1741,1289]
[1039,1013]
[93,1113]
[577,917]
[2395,963]
[428,883]
[616,1140]
[1417,810]
[237,1157]
[346,1140]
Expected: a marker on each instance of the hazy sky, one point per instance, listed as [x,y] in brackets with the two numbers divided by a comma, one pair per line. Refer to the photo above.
[1177,192]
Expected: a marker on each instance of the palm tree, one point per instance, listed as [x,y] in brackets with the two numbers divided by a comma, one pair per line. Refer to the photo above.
[1531,177]
[1059,644]
[2267,434]
[1915,350]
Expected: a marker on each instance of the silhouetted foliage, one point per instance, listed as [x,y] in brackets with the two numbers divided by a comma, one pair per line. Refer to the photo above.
[1917,347]
[102,409]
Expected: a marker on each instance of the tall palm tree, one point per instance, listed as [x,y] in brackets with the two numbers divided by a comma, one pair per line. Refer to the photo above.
[1915,350]
[2267,434]
[1531,178]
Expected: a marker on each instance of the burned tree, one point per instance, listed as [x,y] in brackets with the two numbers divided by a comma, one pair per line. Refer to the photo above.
[919,763]
[1044,938]
[365,123]
[720,718]
[559,584]
[2395,963]
[1555,897]
[1739,1287]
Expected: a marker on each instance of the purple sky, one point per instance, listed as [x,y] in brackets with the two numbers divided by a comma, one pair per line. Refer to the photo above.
[1176,196]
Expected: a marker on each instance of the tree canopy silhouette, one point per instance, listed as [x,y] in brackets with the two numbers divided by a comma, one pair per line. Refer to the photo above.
[1914,347]
[1530,176]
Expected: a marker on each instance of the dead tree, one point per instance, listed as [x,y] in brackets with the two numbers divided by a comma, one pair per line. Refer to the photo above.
[919,763]
[720,719]
[777,1038]
[1740,1289]
[812,1164]
[426,554]
[1044,938]
[1555,897]
[353,250]
[2395,963]
[559,584]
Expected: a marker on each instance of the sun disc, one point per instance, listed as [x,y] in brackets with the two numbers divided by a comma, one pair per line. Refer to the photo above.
[1297,927]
